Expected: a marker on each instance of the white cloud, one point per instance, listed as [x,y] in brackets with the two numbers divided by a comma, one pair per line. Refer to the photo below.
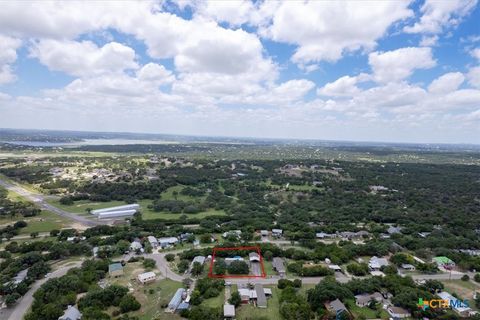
[345,86]
[234,12]
[446,83]
[399,64]
[438,15]
[8,55]
[473,77]
[475,53]
[320,30]
[429,41]
[155,73]
[84,58]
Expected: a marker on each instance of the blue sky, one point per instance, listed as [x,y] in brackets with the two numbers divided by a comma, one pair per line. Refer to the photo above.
[406,71]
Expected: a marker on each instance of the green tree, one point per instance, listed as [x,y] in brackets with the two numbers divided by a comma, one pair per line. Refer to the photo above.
[129,303]
[235,299]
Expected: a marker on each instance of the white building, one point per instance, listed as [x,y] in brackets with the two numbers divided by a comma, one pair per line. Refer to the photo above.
[146,277]
[136,245]
[116,212]
[167,242]
[71,313]
[153,241]
[277,232]
[457,305]
[377,263]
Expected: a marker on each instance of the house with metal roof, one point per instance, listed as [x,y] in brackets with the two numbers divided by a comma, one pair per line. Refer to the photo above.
[136,245]
[71,313]
[176,299]
[153,241]
[254,257]
[146,277]
[277,233]
[167,241]
[279,266]
[336,307]
[457,305]
[443,261]
[228,311]
[363,300]
[261,297]
[376,263]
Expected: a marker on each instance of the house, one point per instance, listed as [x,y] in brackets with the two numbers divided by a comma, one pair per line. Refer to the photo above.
[167,242]
[363,300]
[185,236]
[147,277]
[376,263]
[407,266]
[323,235]
[236,233]
[228,311]
[246,295]
[277,233]
[95,252]
[153,241]
[264,233]
[444,262]
[335,267]
[254,257]
[279,266]
[336,307]
[394,230]
[71,313]
[378,188]
[261,298]
[457,305]
[115,270]
[136,245]
[176,299]
[199,259]
[183,306]
[398,313]
[20,277]
[423,234]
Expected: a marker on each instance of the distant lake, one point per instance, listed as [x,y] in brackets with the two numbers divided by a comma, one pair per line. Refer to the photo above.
[88,142]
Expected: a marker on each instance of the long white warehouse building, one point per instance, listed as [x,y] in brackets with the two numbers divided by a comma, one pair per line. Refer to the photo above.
[115,212]
[133,206]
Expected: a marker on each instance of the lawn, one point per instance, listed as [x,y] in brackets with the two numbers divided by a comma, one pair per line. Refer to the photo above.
[168,194]
[215,302]
[464,289]
[151,296]
[45,222]
[148,214]
[271,312]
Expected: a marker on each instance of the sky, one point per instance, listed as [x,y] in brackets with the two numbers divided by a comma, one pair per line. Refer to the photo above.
[393,71]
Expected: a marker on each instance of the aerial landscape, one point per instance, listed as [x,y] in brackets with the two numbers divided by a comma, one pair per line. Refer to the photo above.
[250,160]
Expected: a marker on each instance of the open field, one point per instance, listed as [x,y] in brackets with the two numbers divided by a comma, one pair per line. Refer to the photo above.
[464,289]
[151,296]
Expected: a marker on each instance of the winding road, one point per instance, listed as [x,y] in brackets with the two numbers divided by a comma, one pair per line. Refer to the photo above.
[18,311]
[39,200]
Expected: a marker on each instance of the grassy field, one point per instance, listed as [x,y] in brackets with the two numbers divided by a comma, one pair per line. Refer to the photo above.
[464,289]
[45,222]
[79,207]
[151,296]
[271,312]
[215,302]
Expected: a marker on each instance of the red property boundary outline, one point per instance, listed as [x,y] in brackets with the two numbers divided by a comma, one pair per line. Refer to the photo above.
[223,276]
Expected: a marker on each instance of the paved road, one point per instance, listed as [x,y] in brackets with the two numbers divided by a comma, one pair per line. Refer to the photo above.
[162,265]
[39,200]
[23,305]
